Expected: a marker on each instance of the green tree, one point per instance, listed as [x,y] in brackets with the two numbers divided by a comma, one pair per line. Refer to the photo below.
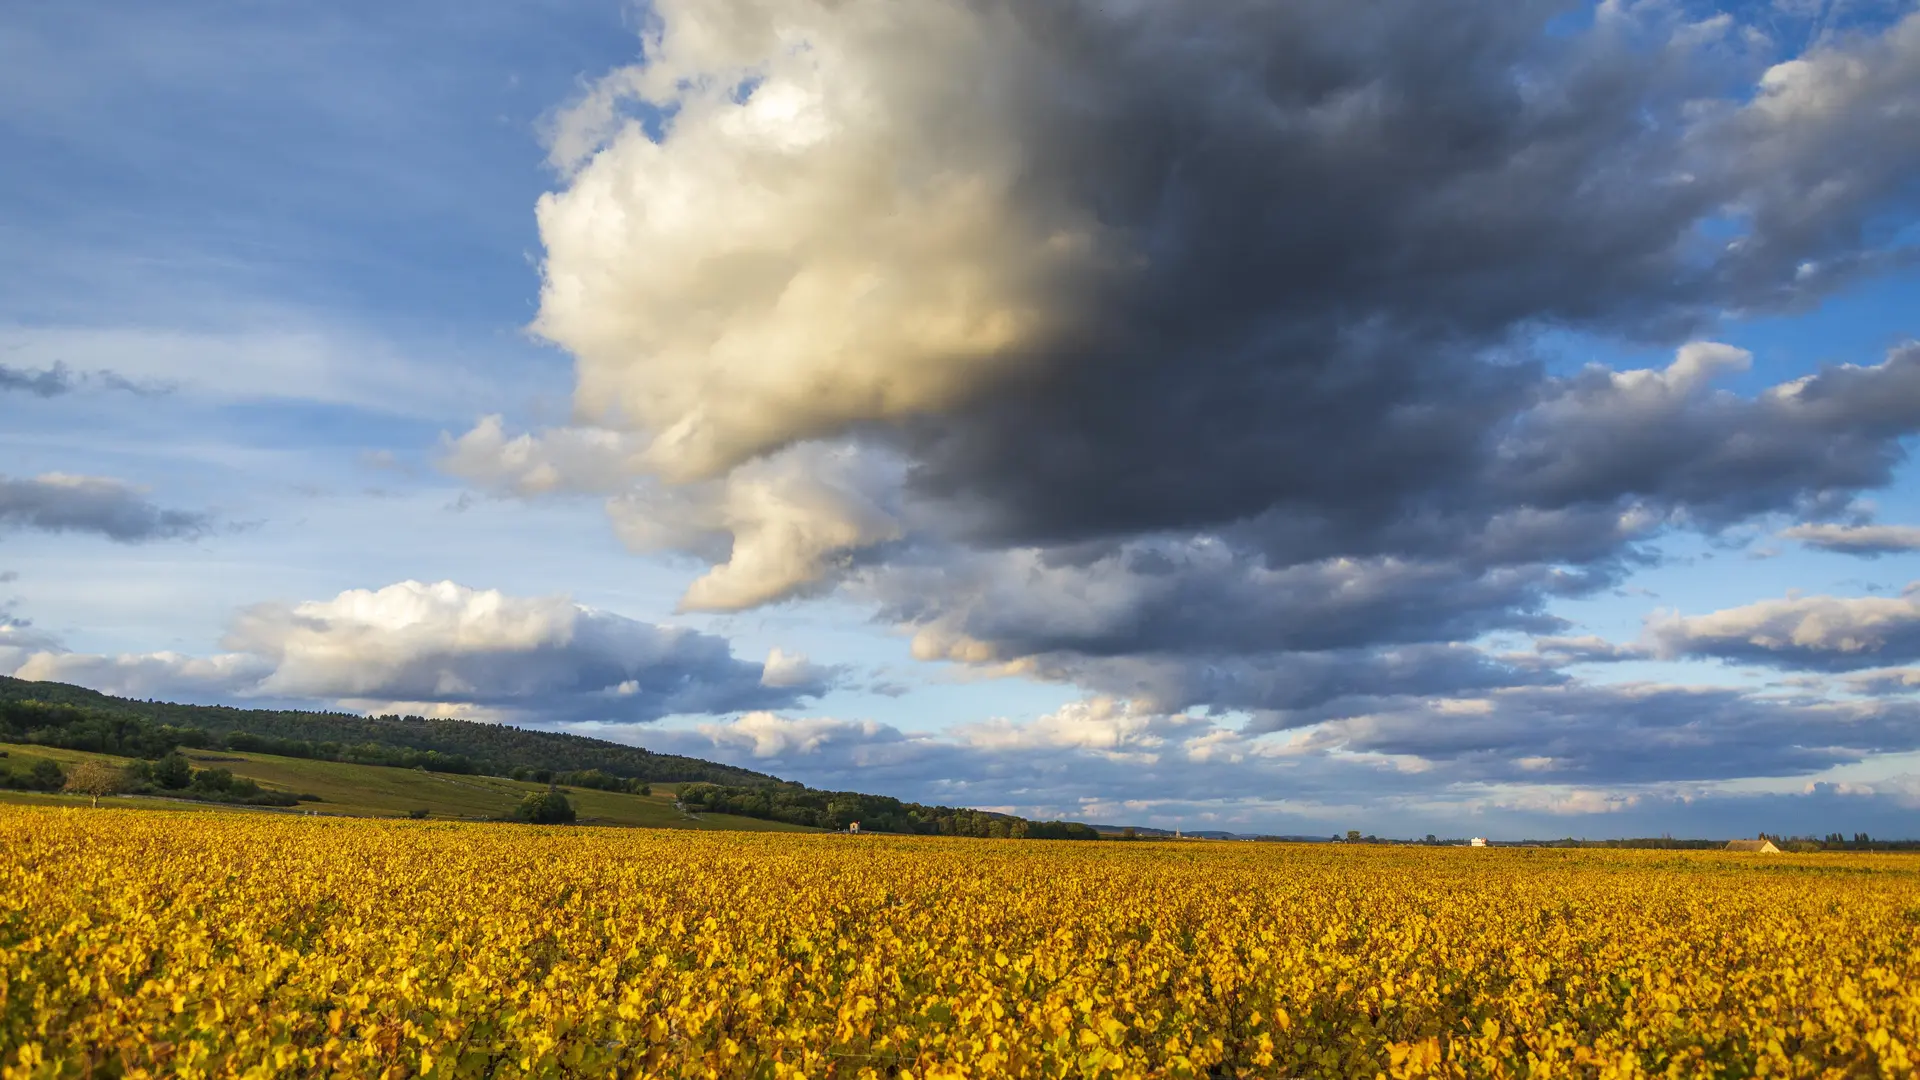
[213,781]
[841,810]
[1353,836]
[545,808]
[45,776]
[171,772]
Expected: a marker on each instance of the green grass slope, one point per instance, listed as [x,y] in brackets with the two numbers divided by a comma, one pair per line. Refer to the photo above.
[378,791]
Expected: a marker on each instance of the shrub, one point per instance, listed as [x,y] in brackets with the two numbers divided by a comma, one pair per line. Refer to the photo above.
[213,781]
[45,776]
[171,772]
[545,808]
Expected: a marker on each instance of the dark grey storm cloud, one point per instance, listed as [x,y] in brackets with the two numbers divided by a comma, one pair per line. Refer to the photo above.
[1266,424]
[90,504]
[1718,457]
[1594,465]
[1346,221]
[1205,598]
[1293,689]
[1353,223]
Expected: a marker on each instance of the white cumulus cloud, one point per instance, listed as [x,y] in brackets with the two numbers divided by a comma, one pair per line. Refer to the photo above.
[855,238]
[1832,633]
[457,649]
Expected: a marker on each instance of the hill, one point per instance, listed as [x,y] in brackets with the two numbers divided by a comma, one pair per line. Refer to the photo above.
[74,718]
[460,746]
[352,790]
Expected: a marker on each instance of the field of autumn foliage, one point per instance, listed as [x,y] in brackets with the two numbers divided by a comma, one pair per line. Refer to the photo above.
[218,944]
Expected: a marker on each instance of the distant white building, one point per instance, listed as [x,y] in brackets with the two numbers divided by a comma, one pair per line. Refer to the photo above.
[853,826]
[1478,841]
[1761,846]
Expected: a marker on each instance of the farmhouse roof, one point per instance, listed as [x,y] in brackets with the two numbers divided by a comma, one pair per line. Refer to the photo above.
[1764,846]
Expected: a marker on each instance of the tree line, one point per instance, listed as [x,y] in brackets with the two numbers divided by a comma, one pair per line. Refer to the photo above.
[798,805]
[170,774]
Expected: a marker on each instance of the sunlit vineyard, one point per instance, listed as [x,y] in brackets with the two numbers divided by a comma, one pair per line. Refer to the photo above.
[190,944]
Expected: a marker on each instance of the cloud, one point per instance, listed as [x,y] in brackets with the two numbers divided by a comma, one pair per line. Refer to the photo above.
[1812,160]
[562,460]
[57,502]
[783,526]
[1115,729]
[773,529]
[1002,230]
[59,379]
[44,382]
[1571,490]
[1598,463]
[1199,597]
[766,736]
[1187,354]
[260,352]
[1587,649]
[1657,751]
[1867,540]
[1812,633]
[18,637]
[1665,437]
[794,282]
[1243,291]
[1293,689]
[1900,680]
[542,658]
[1626,734]
[1296,619]
[793,671]
[169,675]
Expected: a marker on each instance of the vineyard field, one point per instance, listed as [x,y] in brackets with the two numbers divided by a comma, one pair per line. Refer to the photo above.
[209,944]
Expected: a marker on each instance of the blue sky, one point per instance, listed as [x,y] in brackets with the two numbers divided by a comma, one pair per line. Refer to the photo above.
[273,266]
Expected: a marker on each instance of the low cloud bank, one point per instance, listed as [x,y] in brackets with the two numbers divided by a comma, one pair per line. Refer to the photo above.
[448,648]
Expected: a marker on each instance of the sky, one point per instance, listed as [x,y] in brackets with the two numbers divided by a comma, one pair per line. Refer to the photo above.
[1282,418]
